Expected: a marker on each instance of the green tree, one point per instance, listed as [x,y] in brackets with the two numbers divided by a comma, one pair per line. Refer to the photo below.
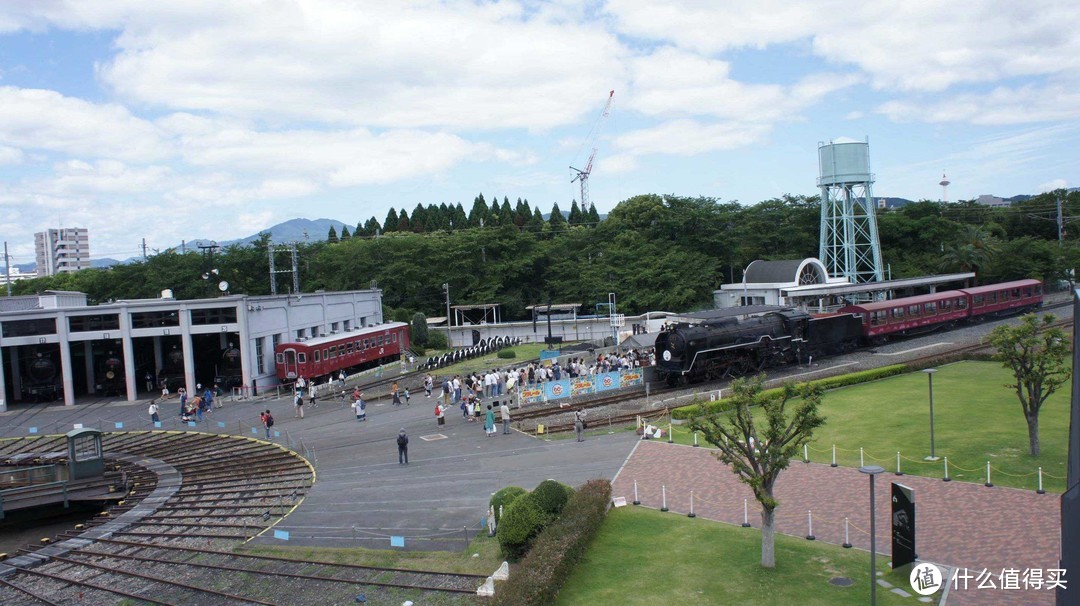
[345,235]
[575,217]
[536,224]
[331,236]
[757,450]
[403,221]
[419,329]
[391,222]
[478,213]
[556,219]
[1038,354]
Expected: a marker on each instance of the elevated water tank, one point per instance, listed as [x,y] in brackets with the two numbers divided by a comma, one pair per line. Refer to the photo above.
[844,161]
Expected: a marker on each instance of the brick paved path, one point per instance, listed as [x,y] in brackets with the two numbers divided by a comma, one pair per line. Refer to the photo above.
[958,524]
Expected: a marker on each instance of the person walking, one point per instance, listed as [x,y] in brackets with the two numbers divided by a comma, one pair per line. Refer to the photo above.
[407,396]
[489,421]
[267,421]
[314,388]
[403,447]
[428,384]
[504,414]
[579,424]
[359,406]
[154,413]
[298,405]
[183,400]
[341,379]
[149,381]
[395,395]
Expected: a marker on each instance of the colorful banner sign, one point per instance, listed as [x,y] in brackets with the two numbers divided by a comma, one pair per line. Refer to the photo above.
[631,378]
[555,390]
[582,385]
[608,380]
[532,395]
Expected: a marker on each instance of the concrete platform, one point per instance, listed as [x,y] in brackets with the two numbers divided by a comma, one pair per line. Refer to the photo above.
[362,496]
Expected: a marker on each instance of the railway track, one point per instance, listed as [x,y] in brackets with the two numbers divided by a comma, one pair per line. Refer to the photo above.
[192,500]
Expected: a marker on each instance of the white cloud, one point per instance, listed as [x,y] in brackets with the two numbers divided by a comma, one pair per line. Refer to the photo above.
[46,120]
[1002,105]
[926,46]
[689,137]
[10,155]
[1051,186]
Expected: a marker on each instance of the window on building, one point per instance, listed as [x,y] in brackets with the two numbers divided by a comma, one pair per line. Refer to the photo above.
[29,328]
[300,334]
[94,323]
[213,315]
[315,331]
[155,319]
[260,356]
[347,324]
[334,326]
[276,340]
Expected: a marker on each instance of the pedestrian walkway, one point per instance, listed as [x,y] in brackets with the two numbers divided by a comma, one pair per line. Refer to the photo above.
[958,524]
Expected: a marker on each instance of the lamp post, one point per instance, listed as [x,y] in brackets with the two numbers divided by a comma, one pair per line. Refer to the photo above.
[446,287]
[872,470]
[930,375]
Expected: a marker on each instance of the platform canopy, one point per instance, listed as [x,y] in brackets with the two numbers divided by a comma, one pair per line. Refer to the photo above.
[483,313]
[554,307]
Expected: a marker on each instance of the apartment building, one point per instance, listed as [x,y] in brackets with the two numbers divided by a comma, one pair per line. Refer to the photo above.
[62,250]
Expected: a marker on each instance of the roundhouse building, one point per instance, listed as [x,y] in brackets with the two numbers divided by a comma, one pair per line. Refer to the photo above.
[55,346]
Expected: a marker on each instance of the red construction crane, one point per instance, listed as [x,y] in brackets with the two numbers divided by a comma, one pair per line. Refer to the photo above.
[583,174]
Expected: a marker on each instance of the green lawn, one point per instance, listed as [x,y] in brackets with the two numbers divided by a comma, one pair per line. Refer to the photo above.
[976,419]
[642,556]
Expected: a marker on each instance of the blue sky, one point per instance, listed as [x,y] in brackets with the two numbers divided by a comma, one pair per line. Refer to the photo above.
[215,119]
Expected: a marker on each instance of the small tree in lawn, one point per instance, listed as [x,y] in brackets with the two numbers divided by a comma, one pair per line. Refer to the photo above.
[758,450]
[1038,355]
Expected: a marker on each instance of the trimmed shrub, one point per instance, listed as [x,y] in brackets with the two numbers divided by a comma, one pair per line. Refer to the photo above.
[506,353]
[552,496]
[437,340]
[521,521]
[864,376]
[503,498]
[558,549]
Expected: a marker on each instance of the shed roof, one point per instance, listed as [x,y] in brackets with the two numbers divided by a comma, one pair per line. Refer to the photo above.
[772,272]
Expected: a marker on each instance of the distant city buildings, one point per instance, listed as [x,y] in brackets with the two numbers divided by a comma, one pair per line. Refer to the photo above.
[14,274]
[62,250]
[990,200]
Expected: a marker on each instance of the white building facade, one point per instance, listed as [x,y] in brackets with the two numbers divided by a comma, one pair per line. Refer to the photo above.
[55,345]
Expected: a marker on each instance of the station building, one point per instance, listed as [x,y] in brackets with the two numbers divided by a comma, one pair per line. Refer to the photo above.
[805,284]
[55,346]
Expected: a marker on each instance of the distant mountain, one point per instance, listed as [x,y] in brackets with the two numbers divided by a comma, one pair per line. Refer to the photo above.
[293,230]
[892,202]
[29,268]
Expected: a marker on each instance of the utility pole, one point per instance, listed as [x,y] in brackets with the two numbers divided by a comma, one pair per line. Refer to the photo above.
[1061,230]
[7,269]
[144,249]
[271,250]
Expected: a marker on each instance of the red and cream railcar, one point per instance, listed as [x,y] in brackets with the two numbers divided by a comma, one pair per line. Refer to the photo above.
[910,314]
[1005,298]
[322,356]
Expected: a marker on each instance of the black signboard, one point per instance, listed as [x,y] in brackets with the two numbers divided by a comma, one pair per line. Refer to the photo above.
[903,526]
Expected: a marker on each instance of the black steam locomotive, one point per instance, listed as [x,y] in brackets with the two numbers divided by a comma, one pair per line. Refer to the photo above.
[727,348]
[109,378]
[229,371]
[171,373]
[40,382]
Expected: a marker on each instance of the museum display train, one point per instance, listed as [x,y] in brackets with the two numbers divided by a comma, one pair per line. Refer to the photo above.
[729,347]
[325,356]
